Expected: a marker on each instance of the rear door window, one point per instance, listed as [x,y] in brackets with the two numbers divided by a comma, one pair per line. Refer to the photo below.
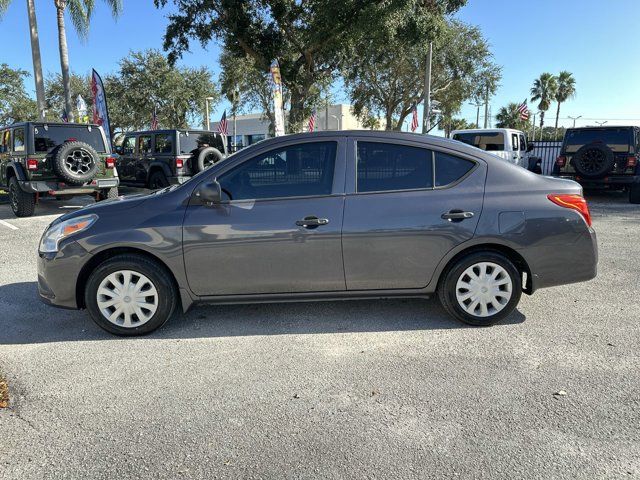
[48,137]
[387,167]
[190,142]
[488,141]
[450,169]
[523,143]
[129,146]
[164,143]
[617,139]
[144,144]
[18,140]
[4,141]
[514,141]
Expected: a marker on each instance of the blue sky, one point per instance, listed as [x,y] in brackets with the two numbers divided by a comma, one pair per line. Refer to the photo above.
[595,40]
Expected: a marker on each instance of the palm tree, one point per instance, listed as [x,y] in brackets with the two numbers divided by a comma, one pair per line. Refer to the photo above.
[509,117]
[566,90]
[80,12]
[35,52]
[544,90]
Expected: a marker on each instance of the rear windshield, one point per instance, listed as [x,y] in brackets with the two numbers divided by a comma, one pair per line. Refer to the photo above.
[190,141]
[489,141]
[617,139]
[48,137]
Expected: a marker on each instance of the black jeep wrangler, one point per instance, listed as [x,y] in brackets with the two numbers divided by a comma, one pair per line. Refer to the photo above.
[602,157]
[159,158]
[54,159]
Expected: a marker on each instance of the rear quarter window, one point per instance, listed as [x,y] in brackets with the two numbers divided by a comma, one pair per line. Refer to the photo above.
[450,169]
[488,141]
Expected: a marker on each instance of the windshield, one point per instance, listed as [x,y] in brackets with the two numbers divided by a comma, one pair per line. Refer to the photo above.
[617,139]
[488,141]
[190,141]
[48,137]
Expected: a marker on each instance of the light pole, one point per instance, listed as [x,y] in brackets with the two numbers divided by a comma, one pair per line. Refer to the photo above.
[235,107]
[207,122]
[602,123]
[427,92]
[574,119]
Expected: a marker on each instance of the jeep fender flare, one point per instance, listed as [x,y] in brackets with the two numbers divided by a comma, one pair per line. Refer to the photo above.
[17,169]
[153,166]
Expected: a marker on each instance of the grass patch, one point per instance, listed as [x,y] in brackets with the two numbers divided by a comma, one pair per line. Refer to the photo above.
[4,393]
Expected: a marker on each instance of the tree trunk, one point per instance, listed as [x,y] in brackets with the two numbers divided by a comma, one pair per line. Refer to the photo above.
[296,112]
[37,60]
[541,120]
[64,58]
[557,116]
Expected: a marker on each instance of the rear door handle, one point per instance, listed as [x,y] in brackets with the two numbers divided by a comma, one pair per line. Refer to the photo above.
[312,222]
[456,215]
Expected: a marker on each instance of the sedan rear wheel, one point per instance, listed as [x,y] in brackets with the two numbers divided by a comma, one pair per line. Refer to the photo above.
[130,295]
[481,288]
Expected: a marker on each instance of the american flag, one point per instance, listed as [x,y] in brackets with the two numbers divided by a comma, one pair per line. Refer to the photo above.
[312,121]
[64,117]
[523,111]
[154,119]
[414,118]
[223,127]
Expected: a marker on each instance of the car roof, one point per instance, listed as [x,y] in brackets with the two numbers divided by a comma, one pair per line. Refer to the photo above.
[170,130]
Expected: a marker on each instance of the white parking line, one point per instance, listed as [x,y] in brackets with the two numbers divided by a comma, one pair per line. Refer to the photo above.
[7,224]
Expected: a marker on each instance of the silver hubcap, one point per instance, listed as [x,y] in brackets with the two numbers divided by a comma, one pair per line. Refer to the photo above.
[484,289]
[127,298]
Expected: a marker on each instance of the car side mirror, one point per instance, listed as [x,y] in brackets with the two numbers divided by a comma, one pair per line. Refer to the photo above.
[209,193]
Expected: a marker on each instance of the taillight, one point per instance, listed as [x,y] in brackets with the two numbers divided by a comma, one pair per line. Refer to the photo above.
[561,161]
[179,163]
[32,164]
[110,162]
[632,162]
[574,202]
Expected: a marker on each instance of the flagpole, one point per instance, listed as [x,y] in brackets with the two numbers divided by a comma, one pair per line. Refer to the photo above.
[427,92]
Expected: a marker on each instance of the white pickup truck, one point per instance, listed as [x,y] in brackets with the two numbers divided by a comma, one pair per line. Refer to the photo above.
[506,143]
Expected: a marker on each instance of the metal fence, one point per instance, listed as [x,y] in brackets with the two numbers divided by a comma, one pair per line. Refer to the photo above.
[548,151]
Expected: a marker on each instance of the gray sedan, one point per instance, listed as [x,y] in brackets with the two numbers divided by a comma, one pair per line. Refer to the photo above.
[329,215]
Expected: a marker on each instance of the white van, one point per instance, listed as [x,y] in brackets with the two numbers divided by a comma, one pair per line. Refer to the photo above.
[506,143]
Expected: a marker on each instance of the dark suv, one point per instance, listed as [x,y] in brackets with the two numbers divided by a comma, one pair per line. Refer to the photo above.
[602,157]
[159,158]
[56,159]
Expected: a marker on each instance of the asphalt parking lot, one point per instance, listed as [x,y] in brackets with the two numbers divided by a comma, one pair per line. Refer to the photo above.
[358,389]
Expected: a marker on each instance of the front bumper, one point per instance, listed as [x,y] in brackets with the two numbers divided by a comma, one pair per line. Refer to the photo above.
[59,188]
[58,274]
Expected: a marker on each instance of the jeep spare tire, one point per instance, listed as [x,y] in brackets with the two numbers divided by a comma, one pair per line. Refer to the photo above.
[207,157]
[76,163]
[593,160]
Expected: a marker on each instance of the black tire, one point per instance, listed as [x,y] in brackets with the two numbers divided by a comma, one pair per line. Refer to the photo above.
[593,160]
[167,298]
[207,157]
[76,163]
[158,180]
[22,203]
[448,286]
[634,193]
[108,194]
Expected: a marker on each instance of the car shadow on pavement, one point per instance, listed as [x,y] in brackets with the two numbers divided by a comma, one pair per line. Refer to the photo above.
[25,320]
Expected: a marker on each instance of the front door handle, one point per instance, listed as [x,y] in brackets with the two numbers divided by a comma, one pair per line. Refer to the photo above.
[312,222]
[456,215]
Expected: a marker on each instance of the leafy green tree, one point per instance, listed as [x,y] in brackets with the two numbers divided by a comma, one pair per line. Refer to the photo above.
[449,124]
[146,80]
[509,117]
[54,93]
[566,90]
[385,77]
[80,12]
[544,91]
[15,103]
[35,49]
[310,39]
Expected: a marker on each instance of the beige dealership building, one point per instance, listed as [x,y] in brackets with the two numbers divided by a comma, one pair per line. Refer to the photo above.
[254,127]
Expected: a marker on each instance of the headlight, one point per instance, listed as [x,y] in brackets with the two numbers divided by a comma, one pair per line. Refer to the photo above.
[52,236]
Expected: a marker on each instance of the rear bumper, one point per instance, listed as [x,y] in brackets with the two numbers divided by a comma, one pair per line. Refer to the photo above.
[571,263]
[606,182]
[178,180]
[58,188]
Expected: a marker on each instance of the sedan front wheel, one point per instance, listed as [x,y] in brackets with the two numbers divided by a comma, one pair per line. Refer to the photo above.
[481,288]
